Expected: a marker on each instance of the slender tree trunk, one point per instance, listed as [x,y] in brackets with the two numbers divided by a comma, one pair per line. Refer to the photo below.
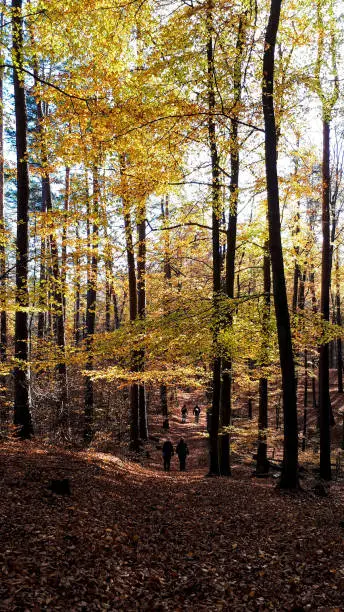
[167,279]
[22,414]
[289,477]
[3,290]
[324,382]
[42,299]
[91,302]
[134,389]
[214,468]
[141,311]
[64,241]
[226,387]
[305,401]
[262,458]
[108,296]
[339,323]
[77,289]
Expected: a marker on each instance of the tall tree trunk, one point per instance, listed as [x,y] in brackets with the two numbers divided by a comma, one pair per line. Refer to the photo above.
[3,314]
[324,381]
[167,279]
[214,468]
[339,323]
[133,390]
[262,457]
[226,386]
[64,241]
[22,414]
[141,311]
[77,289]
[289,477]
[91,302]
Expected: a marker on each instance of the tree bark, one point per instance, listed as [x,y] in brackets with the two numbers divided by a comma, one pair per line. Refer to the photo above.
[289,477]
[3,290]
[22,414]
[324,380]
[339,322]
[91,303]
[141,311]
[77,289]
[262,458]
[214,467]
[226,387]
[134,389]
[167,281]
[64,241]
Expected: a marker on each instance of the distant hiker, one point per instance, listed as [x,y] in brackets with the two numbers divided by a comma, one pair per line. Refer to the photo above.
[196,412]
[167,453]
[184,412]
[182,452]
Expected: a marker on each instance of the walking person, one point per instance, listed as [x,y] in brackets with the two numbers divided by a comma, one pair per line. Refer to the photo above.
[182,452]
[167,453]
[184,412]
[196,412]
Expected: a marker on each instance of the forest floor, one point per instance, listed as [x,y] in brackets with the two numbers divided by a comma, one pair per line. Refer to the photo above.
[132,537]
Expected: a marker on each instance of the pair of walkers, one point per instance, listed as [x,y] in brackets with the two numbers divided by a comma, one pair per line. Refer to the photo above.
[168,452]
[196,412]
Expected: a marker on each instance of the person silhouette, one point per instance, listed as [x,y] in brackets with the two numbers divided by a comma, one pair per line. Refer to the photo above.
[167,453]
[182,452]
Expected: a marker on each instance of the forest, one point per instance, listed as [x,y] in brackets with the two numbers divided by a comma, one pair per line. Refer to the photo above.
[171,269]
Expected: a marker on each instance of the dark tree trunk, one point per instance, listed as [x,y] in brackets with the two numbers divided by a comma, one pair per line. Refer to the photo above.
[3,314]
[167,279]
[108,296]
[64,241]
[324,382]
[226,387]
[77,290]
[305,401]
[42,299]
[214,468]
[22,414]
[339,322]
[289,477]
[91,302]
[262,458]
[134,389]
[141,311]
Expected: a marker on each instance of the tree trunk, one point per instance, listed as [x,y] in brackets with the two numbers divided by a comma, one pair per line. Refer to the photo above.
[3,314]
[289,477]
[22,414]
[262,458]
[339,323]
[226,387]
[64,241]
[91,302]
[77,289]
[167,279]
[141,311]
[214,468]
[134,389]
[324,381]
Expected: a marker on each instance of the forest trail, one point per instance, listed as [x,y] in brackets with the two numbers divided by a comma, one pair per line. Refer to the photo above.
[131,537]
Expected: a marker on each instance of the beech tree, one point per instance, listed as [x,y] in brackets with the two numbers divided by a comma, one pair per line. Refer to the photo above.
[22,414]
[289,478]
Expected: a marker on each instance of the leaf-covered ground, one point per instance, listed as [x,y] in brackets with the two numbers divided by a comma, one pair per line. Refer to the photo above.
[131,537]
